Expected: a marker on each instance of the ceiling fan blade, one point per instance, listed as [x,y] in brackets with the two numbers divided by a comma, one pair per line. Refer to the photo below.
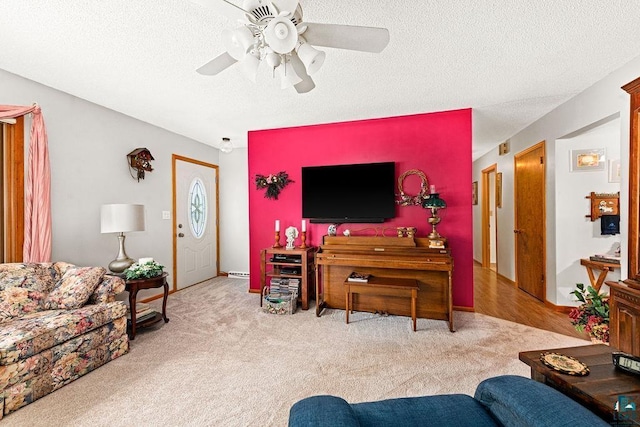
[364,39]
[217,64]
[223,7]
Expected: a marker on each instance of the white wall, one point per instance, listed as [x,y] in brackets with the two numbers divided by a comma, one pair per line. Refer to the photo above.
[576,234]
[234,217]
[88,145]
[603,100]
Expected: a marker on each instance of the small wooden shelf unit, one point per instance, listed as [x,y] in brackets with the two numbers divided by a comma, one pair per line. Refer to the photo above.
[269,268]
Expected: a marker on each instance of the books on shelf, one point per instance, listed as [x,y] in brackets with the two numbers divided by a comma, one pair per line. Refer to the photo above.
[145,316]
[358,277]
[605,258]
[143,312]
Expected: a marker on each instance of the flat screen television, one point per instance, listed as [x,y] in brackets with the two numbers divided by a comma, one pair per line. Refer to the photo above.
[362,193]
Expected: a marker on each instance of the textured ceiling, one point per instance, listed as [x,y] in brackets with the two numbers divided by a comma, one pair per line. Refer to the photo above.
[511,61]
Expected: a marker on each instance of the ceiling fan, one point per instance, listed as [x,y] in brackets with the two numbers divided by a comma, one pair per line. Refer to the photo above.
[273,31]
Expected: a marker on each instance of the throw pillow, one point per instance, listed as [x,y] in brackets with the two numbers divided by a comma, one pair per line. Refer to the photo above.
[74,288]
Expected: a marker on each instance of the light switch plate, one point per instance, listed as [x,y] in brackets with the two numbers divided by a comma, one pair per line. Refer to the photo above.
[166,215]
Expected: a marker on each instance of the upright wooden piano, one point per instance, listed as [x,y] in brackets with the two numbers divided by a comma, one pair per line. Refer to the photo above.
[401,257]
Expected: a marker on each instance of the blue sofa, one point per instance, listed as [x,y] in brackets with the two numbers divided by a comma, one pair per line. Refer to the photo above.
[499,401]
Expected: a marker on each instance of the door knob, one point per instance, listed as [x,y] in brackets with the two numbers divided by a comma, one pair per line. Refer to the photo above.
[518,231]
[179,225]
[180,234]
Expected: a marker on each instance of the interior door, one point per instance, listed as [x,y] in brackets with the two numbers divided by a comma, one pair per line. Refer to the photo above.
[195,213]
[489,219]
[530,219]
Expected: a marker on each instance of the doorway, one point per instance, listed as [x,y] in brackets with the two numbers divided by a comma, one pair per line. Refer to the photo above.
[196,254]
[489,219]
[530,219]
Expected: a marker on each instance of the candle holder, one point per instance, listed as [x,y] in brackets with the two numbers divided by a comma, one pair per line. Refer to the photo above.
[277,243]
[303,239]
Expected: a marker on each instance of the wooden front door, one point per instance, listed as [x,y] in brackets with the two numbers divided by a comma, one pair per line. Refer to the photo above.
[530,219]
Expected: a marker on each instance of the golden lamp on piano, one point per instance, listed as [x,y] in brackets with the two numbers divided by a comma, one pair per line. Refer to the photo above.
[435,203]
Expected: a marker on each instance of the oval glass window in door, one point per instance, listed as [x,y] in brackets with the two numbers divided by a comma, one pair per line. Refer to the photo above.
[197,208]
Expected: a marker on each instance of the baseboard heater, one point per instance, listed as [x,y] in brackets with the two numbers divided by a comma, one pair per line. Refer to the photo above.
[238,274]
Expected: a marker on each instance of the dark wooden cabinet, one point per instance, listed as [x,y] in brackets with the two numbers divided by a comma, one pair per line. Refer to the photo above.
[625,296]
[297,264]
[624,316]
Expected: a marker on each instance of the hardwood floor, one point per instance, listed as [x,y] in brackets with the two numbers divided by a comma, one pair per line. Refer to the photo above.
[497,297]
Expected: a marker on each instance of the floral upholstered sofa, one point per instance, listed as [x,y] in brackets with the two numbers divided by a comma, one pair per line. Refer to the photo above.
[57,323]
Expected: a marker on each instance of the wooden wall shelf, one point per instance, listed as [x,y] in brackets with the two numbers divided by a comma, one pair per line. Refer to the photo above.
[603,204]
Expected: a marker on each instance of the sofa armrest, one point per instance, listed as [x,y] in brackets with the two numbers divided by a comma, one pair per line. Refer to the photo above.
[520,401]
[107,290]
[320,411]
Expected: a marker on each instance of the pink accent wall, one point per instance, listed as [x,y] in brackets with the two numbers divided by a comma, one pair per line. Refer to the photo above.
[438,144]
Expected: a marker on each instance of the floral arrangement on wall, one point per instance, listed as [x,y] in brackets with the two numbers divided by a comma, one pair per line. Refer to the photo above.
[273,183]
[592,316]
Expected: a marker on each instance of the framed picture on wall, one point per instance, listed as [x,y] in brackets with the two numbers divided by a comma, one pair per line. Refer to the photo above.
[614,170]
[474,192]
[591,159]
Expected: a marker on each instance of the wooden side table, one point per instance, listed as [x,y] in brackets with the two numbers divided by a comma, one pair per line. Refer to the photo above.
[602,267]
[133,286]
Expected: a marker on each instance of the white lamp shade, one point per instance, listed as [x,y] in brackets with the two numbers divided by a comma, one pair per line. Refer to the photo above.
[281,35]
[238,41]
[288,76]
[226,146]
[311,57]
[121,218]
[249,67]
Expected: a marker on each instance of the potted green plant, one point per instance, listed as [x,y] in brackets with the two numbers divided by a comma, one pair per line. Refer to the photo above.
[145,268]
[592,316]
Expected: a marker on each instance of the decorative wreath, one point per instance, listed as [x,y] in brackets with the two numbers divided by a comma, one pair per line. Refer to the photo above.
[273,184]
[407,199]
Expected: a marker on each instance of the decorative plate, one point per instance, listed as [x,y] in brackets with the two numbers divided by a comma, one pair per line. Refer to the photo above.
[565,364]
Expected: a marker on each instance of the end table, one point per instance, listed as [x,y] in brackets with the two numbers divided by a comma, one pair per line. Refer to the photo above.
[133,286]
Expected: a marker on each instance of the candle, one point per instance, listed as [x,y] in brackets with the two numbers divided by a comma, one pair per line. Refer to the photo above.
[277,225]
[432,189]
[304,225]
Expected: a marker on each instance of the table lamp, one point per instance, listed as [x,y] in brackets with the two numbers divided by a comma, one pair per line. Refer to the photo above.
[121,218]
[435,203]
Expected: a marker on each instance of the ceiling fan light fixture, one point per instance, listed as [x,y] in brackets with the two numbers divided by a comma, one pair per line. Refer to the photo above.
[238,41]
[273,59]
[249,66]
[288,76]
[311,57]
[226,146]
[281,35]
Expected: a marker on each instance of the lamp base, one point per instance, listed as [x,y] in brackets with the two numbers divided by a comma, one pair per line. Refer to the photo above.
[122,261]
[120,265]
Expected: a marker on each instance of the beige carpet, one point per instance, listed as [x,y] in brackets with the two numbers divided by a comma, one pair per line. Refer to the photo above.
[221,361]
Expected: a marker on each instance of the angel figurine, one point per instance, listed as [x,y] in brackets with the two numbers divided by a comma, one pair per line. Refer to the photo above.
[292,234]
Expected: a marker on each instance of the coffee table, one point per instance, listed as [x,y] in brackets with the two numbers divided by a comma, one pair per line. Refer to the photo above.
[600,390]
